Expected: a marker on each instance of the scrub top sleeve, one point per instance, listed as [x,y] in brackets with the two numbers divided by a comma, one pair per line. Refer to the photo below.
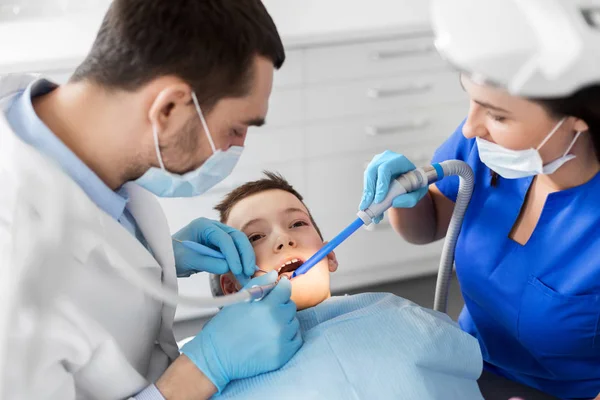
[456,147]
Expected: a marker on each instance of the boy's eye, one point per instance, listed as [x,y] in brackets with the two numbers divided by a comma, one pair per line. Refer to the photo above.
[298,224]
[255,237]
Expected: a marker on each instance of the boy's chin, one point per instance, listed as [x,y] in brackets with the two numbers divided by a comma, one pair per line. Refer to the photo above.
[305,295]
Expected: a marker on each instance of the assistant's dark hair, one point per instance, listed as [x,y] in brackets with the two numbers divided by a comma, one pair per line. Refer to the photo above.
[583,104]
[209,44]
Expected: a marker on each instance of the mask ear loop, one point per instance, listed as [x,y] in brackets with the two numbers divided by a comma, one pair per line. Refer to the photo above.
[572,143]
[551,133]
[204,125]
[157,148]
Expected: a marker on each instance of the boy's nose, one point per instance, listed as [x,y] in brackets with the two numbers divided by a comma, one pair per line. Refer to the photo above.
[283,242]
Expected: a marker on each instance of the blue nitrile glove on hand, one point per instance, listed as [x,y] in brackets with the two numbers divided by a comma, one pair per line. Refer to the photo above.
[233,244]
[379,174]
[247,339]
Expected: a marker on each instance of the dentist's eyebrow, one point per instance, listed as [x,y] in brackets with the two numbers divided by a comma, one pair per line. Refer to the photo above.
[255,122]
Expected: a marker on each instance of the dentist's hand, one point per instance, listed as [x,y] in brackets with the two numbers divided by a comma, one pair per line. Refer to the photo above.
[233,244]
[248,339]
[379,174]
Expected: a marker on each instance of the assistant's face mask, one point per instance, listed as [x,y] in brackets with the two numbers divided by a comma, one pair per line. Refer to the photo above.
[514,164]
[218,166]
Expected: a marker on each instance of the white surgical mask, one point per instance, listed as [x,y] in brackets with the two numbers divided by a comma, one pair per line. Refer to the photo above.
[514,164]
[218,166]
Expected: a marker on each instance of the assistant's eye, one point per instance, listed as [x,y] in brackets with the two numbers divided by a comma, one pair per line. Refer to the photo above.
[496,118]
[255,237]
[298,224]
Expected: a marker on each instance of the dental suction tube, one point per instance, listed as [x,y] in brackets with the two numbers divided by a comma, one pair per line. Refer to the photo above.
[422,177]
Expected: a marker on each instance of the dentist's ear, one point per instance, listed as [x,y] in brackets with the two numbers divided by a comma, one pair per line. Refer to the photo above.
[332,261]
[172,101]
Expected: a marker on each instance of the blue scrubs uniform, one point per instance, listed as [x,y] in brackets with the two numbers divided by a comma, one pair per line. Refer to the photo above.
[534,308]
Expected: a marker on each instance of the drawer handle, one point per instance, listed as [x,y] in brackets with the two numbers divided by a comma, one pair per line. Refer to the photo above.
[396,128]
[383,55]
[417,88]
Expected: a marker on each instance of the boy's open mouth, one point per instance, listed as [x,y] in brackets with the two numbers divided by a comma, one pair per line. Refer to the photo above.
[288,268]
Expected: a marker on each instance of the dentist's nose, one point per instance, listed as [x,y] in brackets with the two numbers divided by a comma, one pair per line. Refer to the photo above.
[284,241]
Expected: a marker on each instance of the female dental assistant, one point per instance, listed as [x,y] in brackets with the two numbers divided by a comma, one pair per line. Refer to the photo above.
[527,256]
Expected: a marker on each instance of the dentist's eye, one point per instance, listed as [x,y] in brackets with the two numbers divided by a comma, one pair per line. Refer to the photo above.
[239,133]
[298,224]
[255,237]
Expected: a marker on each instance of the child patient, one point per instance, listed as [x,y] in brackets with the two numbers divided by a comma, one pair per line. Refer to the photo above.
[367,346]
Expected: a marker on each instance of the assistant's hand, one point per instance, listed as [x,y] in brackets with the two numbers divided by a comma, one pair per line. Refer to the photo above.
[233,244]
[248,339]
[379,174]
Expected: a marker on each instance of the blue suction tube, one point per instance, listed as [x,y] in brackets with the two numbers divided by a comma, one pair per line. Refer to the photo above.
[329,247]
[407,183]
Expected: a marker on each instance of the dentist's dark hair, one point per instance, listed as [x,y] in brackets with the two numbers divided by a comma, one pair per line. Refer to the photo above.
[209,44]
[583,104]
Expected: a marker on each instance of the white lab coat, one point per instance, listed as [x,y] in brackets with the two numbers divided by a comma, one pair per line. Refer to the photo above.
[101,337]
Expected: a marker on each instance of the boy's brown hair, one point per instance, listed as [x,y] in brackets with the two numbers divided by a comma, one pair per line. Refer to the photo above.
[271,181]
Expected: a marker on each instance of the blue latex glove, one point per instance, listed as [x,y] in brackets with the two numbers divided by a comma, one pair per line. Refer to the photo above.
[233,244]
[379,174]
[248,339]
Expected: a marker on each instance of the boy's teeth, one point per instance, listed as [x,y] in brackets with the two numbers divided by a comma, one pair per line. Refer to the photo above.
[289,262]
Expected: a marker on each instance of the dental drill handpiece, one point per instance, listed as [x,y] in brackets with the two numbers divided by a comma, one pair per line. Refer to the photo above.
[406,183]
[256,293]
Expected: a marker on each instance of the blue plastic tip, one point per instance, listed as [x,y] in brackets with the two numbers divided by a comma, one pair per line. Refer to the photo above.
[439,170]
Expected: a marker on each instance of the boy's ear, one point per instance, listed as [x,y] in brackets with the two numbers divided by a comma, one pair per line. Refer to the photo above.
[332,260]
[229,284]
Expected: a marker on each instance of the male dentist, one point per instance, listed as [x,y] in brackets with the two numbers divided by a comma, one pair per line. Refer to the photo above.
[160,106]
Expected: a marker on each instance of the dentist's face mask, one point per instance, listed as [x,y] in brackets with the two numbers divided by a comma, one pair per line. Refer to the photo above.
[218,166]
[514,164]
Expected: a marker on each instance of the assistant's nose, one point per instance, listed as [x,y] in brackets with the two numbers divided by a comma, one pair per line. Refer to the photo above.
[475,124]
[284,241]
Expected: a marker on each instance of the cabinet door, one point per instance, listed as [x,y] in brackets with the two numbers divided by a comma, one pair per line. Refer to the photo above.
[372,96]
[387,131]
[355,61]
